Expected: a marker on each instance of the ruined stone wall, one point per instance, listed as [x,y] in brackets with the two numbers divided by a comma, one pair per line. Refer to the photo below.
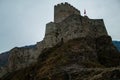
[96,27]
[21,57]
[100,29]
[63,10]
[51,35]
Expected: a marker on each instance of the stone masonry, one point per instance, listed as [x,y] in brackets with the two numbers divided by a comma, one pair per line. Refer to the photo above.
[63,10]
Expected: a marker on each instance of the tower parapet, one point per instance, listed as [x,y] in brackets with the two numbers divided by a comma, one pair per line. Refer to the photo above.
[63,10]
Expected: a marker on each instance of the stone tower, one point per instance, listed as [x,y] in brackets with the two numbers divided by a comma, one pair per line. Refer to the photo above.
[63,10]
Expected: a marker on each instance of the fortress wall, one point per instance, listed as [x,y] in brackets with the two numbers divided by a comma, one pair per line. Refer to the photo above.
[21,57]
[100,27]
[50,27]
[72,27]
[51,35]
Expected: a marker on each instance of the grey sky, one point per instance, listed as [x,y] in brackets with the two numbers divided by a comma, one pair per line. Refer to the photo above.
[22,22]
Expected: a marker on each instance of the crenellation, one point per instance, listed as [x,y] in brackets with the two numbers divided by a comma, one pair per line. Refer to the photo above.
[66,3]
[62,4]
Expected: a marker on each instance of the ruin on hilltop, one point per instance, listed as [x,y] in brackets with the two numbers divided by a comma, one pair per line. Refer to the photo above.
[69,24]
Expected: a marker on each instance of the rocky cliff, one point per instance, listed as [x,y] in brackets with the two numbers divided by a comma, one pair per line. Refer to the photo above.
[71,42]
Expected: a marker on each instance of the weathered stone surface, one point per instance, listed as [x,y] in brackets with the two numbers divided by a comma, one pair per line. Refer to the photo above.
[21,57]
[63,10]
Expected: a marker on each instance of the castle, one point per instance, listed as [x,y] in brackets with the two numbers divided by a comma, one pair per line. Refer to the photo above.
[73,44]
[68,24]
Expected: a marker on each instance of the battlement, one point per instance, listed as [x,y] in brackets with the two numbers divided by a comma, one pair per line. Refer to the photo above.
[68,5]
[63,10]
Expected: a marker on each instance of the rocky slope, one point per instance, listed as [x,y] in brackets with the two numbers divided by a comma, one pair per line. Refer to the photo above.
[76,59]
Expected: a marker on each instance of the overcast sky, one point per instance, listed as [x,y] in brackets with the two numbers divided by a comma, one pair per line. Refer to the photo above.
[22,22]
